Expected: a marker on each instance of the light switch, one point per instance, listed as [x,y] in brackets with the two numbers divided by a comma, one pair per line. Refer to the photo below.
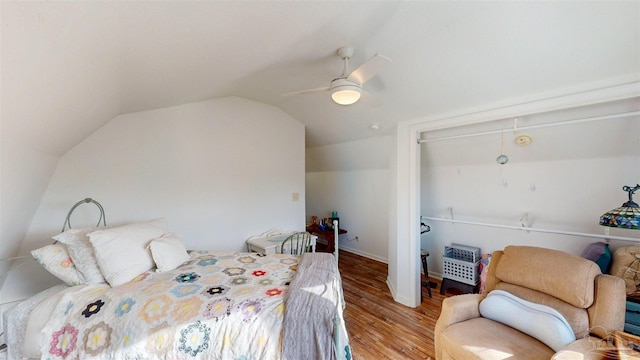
[295,196]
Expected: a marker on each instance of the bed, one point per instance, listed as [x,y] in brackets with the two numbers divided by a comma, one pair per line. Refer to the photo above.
[156,300]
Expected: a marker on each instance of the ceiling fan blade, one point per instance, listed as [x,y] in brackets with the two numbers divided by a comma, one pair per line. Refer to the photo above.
[370,99]
[368,69]
[304,92]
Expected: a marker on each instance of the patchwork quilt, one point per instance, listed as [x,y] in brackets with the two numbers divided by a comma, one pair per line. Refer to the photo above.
[218,305]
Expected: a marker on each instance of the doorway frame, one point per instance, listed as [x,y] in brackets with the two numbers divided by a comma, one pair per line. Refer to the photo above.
[404,231]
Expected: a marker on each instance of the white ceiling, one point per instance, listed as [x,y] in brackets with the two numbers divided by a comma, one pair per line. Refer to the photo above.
[70,67]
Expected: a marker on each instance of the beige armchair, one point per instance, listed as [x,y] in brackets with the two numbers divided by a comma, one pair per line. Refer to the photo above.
[592,303]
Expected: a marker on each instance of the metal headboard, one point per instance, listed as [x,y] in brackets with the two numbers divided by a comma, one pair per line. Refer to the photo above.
[67,221]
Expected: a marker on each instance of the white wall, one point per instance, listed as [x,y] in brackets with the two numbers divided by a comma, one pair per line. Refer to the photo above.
[24,178]
[353,179]
[219,171]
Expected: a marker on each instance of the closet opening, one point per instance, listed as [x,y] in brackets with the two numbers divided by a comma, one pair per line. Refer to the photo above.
[541,179]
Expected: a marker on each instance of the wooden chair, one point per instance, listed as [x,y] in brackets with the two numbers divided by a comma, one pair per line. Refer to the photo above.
[298,243]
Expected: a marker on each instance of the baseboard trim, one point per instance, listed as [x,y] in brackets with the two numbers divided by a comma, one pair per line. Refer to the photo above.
[365,254]
[396,298]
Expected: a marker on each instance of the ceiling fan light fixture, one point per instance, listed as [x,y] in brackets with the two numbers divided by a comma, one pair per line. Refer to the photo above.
[345,92]
[347,88]
[345,97]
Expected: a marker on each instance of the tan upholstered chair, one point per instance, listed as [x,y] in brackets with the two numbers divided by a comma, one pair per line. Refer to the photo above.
[593,305]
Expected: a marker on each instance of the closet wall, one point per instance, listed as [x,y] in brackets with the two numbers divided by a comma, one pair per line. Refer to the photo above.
[564,180]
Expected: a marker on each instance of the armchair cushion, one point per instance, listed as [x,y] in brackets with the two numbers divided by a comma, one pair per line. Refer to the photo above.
[538,321]
[576,317]
[482,338]
[570,278]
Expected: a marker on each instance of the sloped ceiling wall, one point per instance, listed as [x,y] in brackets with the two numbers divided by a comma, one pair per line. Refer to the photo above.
[69,67]
[24,176]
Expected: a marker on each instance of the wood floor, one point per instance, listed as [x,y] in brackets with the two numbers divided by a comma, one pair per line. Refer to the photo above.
[380,328]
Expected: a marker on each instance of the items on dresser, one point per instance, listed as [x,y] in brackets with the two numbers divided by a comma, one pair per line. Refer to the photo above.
[325,235]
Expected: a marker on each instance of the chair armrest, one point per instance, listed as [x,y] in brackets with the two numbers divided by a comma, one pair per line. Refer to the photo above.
[456,309]
[459,308]
[587,348]
[608,310]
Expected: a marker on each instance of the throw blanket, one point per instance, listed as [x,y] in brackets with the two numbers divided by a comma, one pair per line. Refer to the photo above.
[313,314]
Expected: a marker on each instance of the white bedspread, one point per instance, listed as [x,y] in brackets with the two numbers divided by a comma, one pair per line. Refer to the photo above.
[15,321]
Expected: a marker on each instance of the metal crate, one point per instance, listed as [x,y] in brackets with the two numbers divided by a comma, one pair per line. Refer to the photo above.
[461,263]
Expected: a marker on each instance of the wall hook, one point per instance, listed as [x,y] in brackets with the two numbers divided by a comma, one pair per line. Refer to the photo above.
[450,211]
[524,220]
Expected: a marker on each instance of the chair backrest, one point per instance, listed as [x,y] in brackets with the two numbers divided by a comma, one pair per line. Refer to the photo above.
[568,283]
[296,244]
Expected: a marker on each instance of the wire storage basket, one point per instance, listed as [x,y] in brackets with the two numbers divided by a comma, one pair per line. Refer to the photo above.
[461,263]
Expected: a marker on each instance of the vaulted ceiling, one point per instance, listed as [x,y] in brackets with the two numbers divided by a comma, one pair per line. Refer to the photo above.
[70,67]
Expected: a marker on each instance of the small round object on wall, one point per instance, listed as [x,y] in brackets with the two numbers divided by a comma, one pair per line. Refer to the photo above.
[502,159]
[524,139]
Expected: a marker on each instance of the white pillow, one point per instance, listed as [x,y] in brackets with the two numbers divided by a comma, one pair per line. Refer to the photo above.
[168,252]
[538,321]
[122,252]
[55,258]
[81,252]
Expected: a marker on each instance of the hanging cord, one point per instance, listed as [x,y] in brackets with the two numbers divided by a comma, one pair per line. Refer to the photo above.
[67,221]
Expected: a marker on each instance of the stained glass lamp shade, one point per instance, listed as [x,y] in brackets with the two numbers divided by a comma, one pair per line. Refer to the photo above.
[627,216]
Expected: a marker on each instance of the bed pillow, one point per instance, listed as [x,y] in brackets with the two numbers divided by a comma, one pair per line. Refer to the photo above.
[168,252]
[55,258]
[81,251]
[538,321]
[122,252]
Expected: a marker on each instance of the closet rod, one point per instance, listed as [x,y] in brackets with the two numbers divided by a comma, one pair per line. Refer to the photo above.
[568,122]
[608,237]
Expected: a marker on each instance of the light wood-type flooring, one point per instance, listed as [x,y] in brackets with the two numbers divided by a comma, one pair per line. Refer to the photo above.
[380,328]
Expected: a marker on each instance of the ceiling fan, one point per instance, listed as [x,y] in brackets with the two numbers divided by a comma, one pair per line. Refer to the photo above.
[347,88]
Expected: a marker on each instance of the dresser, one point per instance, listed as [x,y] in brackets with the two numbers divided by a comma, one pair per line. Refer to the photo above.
[327,234]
